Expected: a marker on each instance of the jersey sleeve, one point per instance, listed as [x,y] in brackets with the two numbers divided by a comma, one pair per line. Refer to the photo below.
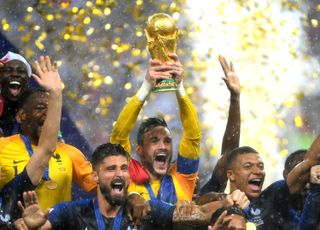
[189,148]
[60,216]
[125,123]
[65,215]
[12,192]
[213,185]
[82,170]
[184,183]
[311,211]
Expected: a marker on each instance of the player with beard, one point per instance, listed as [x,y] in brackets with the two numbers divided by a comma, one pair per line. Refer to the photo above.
[66,165]
[15,71]
[105,211]
[155,178]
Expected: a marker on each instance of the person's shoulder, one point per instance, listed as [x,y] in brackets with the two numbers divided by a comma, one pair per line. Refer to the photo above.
[277,185]
[71,205]
[10,139]
[277,190]
[68,148]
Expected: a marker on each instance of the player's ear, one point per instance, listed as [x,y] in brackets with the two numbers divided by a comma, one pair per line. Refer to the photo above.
[21,116]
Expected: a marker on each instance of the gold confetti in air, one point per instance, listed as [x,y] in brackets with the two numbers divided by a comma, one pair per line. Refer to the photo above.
[101,48]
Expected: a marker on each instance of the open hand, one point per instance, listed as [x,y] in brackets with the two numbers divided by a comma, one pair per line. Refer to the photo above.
[231,79]
[137,208]
[49,77]
[32,214]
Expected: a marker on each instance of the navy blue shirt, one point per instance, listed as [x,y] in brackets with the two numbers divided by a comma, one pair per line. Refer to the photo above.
[80,215]
[272,209]
[213,185]
[311,211]
[10,195]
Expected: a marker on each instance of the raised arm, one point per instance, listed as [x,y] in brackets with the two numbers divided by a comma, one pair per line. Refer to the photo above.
[218,180]
[310,215]
[190,143]
[232,133]
[299,175]
[129,114]
[48,79]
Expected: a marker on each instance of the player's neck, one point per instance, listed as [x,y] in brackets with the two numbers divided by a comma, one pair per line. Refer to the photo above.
[33,141]
[154,176]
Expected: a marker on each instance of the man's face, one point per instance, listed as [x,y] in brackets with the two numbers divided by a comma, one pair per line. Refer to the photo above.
[113,179]
[293,162]
[34,114]
[247,174]
[156,152]
[14,79]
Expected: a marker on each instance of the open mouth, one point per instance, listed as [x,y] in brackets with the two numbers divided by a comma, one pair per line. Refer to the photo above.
[255,184]
[117,186]
[14,88]
[161,159]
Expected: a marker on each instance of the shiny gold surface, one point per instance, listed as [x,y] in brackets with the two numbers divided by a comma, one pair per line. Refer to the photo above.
[161,33]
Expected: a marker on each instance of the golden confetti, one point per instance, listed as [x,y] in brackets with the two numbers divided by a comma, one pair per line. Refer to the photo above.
[103,57]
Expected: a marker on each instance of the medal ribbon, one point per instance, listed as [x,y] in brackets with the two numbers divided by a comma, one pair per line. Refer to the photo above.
[28,146]
[99,218]
[294,215]
[166,193]
[150,191]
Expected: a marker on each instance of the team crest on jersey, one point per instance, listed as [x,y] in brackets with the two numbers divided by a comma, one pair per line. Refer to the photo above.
[5,218]
[255,212]
[57,157]
[256,218]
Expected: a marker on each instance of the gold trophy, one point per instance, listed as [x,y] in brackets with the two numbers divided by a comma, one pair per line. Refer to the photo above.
[161,33]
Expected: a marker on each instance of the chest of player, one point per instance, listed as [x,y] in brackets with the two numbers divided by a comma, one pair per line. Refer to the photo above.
[14,158]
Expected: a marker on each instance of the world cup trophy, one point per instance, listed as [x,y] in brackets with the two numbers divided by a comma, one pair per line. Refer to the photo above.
[161,33]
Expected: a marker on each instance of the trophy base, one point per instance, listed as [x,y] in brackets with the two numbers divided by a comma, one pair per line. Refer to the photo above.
[165,85]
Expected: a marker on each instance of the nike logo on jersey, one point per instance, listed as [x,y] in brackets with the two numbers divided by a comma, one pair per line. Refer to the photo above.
[16,162]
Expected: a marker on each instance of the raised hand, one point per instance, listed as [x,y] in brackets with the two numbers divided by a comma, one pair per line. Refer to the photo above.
[32,214]
[156,71]
[231,79]
[49,77]
[176,68]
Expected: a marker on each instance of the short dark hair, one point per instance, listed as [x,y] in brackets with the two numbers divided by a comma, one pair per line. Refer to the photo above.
[293,159]
[238,151]
[26,95]
[230,210]
[148,124]
[106,150]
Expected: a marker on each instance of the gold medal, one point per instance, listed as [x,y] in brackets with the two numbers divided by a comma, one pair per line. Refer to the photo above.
[50,184]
